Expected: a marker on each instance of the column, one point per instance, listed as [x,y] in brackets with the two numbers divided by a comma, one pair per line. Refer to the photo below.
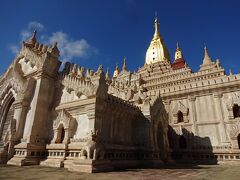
[20,111]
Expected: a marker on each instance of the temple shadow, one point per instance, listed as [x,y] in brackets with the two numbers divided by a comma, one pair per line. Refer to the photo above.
[189,149]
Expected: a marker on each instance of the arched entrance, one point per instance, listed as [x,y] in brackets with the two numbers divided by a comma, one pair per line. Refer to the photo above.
[182,142]
[6,118]
[180,116]
[238,139]
[236,111]
[60,134]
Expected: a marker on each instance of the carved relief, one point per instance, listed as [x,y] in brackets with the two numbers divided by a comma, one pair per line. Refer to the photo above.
[234,130]
[181,109]
[68,122]
[36,60]
[27,66]
[234,99]
[65,118]
[93,149]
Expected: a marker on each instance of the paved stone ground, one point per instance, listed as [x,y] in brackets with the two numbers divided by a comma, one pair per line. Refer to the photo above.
[218,172]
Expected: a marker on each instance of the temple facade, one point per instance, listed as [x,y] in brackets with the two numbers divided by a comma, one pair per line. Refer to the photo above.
[88,121]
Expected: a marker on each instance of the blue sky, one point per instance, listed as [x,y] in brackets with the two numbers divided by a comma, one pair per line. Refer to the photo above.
[93,32]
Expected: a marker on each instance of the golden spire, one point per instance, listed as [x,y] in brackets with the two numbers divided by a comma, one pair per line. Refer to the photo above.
[156,25]
[207,59]
[157,50]
[116,72]
[178,53]
[124,67]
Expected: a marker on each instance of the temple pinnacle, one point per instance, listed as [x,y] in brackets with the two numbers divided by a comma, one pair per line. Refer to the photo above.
[207,59]
[33,38]
[116,72]
[156,25]
[124,67]
[177,46]
[107,75]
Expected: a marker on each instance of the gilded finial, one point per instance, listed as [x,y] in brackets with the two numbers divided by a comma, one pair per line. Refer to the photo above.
[178,46]
[116,72]
[156,25]
[178,52]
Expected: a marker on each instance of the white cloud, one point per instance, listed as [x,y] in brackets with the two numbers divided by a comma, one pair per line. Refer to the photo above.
[32,26]
[69,47]
[14,49]
[36,26]
[25,34]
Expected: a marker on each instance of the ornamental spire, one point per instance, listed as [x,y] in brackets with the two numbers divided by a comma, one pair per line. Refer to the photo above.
[177,47]
[33,39]
[207,59]
[178,53]
[156,25]
[157,51]
[107,75]
[124,67]
[116,72]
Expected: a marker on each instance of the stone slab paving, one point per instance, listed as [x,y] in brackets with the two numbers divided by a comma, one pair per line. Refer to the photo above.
[213,172]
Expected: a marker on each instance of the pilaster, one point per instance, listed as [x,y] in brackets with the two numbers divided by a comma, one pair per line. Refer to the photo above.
[219,111]
[193,114]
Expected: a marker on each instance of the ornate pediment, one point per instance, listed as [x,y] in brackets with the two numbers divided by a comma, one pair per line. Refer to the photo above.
[179,106]
[234,98]
[234,130]
[79,86]
[27,66]
[64,118]
[34,58]
[13,82]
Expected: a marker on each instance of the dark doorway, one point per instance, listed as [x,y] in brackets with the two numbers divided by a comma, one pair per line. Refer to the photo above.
[182,142]
[180,116]
[238,138]
[60,134]
[236,112]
